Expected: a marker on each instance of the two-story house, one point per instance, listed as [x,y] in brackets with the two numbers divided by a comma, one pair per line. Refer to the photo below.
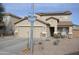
[46,25]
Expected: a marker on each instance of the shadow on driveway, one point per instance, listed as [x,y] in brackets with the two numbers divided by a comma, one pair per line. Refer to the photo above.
[74,53]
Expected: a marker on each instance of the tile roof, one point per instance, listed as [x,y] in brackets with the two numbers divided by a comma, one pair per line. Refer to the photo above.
[65,23]
[54,13]
[11,15]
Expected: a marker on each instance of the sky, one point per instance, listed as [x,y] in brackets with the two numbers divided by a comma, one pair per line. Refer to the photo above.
[24,9]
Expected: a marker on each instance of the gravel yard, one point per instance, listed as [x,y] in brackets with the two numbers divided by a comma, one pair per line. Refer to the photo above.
[63,46]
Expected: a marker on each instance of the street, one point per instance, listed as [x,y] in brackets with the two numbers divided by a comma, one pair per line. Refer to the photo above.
[12,46]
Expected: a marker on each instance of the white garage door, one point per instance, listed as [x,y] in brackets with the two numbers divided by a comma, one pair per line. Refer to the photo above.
[37,32]
[25,31]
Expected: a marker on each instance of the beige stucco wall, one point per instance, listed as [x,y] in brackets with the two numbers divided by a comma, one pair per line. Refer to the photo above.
[13,21]
[52,22]
[70,30]
[75,33]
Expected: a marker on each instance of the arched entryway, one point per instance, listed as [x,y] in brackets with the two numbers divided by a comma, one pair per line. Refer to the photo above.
[53,25]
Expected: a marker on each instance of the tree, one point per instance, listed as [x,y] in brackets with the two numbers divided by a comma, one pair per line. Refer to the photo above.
[1,10]
[2,26]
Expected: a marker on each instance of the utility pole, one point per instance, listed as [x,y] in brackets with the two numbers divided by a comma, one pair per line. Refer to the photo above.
[31,20]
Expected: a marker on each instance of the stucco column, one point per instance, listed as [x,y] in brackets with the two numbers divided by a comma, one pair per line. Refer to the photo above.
[70,32]
[48,33]
[55,30]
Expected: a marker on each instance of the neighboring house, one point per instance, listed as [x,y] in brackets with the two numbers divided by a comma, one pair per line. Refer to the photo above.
[46,25]
[2,28]
[9,22]
[76,31]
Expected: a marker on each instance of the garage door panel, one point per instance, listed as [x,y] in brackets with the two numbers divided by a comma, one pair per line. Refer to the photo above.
[37,32]
[25,31]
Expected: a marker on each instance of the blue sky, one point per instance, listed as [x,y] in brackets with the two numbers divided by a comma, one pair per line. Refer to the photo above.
[23,9]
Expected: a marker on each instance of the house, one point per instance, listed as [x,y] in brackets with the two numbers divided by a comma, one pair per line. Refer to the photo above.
[9,23]
[2,28]
[76,31]
[46,25]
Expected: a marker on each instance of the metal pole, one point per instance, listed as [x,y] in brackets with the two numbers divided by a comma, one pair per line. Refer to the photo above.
[32,19]
[31,40]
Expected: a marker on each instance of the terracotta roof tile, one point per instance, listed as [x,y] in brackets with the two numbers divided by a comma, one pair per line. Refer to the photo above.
[65,23]
[55,13]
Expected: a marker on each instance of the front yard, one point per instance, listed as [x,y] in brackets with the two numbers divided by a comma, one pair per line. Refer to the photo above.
[57,46]
[14,45]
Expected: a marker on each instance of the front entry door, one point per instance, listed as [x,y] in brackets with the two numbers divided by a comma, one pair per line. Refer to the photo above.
[52,31]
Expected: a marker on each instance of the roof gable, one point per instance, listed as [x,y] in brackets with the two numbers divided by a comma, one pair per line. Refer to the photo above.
[52,18]
[27,23]
[9,14]
[36,20]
